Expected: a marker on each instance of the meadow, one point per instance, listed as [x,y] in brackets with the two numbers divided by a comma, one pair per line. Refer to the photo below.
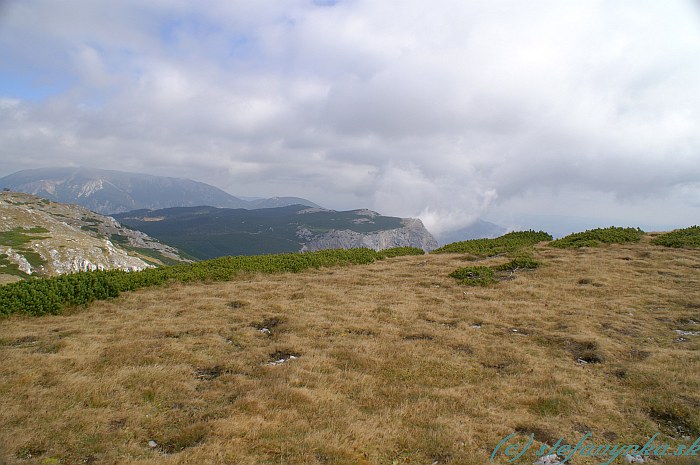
[389,361]
[40,296]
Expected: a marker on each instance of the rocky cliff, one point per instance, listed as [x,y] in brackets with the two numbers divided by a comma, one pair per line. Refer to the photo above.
[411,234]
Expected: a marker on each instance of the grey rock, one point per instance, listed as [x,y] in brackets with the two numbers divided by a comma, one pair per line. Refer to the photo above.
[634,458]
[548,460]
[71,238]
[411,234]
[281,361]
[680,332]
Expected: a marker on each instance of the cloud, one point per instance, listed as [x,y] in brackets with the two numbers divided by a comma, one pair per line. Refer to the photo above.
[447,112]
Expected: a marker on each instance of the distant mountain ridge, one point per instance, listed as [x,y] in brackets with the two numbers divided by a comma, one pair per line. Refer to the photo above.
[208,232]
[109,191]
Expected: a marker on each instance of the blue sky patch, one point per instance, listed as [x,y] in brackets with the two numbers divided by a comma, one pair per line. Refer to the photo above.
[28,87]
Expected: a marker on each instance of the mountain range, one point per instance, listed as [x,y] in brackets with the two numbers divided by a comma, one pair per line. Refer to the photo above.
[179,219]
[208,232]
[107,191]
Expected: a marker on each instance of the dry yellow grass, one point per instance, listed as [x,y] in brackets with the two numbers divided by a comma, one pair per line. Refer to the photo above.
[397,363]
[6,279]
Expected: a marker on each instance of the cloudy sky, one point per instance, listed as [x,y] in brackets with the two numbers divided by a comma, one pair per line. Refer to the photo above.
[521,112]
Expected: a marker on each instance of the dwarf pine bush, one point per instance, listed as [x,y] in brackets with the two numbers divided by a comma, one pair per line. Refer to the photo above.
[686,237]
[508,243]
[598,236]
[522,262]
[474,275]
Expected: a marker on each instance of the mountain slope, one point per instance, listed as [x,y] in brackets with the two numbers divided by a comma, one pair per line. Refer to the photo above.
[106,191]
[395,363]
[208,232]
[40,237]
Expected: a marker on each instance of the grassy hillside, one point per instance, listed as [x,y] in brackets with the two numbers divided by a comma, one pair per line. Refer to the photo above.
[392,362]
[52,295]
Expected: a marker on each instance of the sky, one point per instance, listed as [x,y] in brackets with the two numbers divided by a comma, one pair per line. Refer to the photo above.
[544,112]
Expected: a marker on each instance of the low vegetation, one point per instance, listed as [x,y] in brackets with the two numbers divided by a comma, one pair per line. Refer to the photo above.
[20,236]
[522,262]
[17,239]
[598,236]
[484,275]
[510,243]
[392,362]
[51,295]
[680,238]
[474,275]
[7,267]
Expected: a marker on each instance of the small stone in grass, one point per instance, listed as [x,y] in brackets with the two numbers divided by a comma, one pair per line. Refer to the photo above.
[548,460]
[634,458]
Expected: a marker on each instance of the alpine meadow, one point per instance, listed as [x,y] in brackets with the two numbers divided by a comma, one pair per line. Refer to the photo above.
[349,232]
[357,357]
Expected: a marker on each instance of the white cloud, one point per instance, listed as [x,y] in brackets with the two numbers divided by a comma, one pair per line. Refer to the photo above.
[444,111]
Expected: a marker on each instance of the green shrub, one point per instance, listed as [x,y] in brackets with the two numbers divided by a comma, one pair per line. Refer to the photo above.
[523,262]
[38,296]
[687,237]
[19,236]
[508,243]
[474,275]
[595,237]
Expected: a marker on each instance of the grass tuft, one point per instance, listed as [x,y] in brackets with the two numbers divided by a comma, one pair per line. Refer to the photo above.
[550,406]
[178,439]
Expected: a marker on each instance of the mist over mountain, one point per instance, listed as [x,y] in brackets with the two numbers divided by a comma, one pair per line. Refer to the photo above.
[477,230]
[108,191]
